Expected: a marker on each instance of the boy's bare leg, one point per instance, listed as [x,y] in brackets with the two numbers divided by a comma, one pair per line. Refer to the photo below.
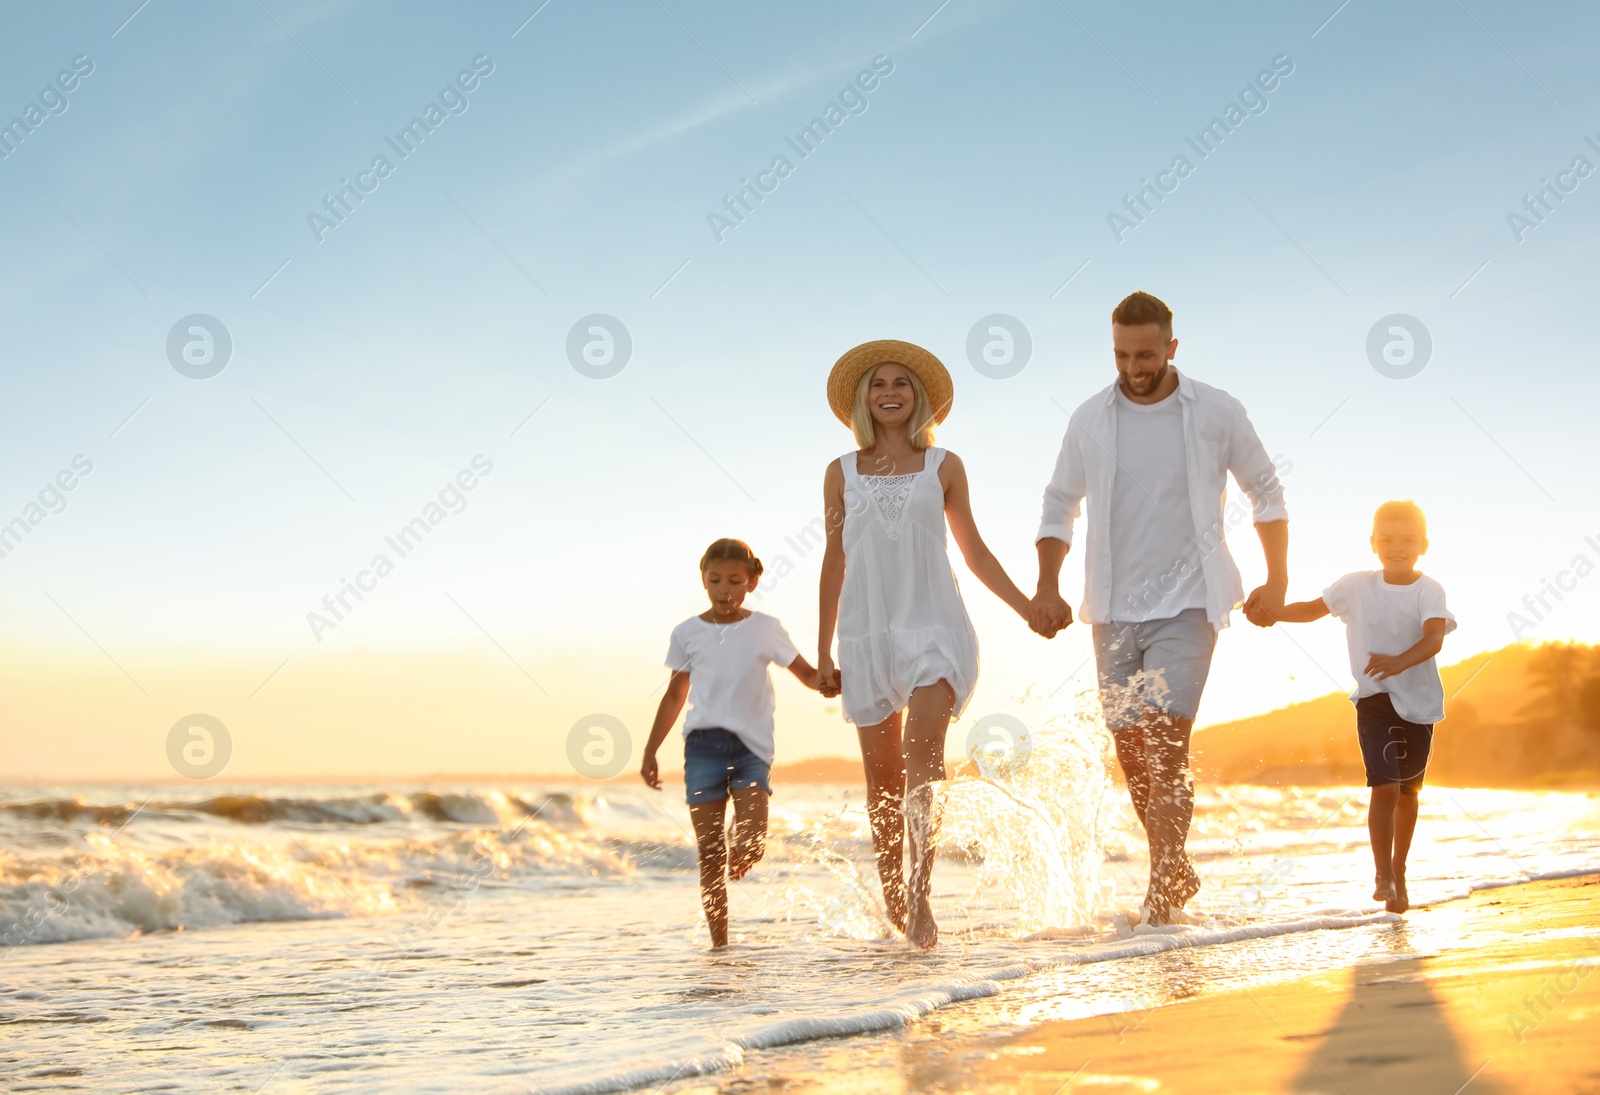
[1405,823]
[927,720]
[1380,829]
[884,763]
[712,844]
[747,841]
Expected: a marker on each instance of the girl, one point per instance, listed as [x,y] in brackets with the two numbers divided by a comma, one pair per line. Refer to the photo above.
[905,642]
[719,664]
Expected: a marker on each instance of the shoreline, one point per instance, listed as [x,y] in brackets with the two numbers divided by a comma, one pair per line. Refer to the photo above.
[1514,1008]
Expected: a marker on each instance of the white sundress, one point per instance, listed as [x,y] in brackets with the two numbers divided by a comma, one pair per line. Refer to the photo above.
[902,623]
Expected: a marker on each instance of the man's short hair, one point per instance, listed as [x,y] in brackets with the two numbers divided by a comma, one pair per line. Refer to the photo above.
[1402,511]
[1140,308]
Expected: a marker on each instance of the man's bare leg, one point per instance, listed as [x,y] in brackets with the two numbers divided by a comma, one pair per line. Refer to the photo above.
[1169,812]
[747,842]
[927,720]
[712,845]
[883,760]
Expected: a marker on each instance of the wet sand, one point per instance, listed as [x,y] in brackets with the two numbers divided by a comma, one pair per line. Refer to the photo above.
[1515,1007]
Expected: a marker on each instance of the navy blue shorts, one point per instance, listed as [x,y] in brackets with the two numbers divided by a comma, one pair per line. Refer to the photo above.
[1394,750]
[716,762]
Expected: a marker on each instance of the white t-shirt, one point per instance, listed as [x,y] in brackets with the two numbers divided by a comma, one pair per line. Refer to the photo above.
[1155,561]
[729,688]
[1381,618]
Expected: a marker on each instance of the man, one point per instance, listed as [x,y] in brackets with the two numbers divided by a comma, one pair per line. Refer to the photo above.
[1151,453]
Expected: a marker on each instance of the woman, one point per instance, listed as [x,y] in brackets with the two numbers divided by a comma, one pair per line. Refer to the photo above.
[905,642]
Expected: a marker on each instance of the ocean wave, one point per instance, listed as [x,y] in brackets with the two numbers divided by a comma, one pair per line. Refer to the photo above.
[452,807]
[111,890]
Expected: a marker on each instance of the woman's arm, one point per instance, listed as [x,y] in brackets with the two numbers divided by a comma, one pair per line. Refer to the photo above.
[832,581]
[980,560]
[667,713]
[808,676]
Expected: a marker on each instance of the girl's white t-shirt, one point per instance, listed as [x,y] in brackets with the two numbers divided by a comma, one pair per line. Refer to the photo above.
[1381,618]
[729,687]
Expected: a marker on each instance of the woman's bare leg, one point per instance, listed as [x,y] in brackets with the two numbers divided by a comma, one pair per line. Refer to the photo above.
[884,763]
[927,720]
[712,844]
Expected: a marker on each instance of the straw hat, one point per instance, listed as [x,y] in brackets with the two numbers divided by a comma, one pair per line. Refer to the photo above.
[856,363]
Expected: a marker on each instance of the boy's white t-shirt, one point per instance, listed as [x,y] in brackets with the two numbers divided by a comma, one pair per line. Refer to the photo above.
[1381,618]
[729,688]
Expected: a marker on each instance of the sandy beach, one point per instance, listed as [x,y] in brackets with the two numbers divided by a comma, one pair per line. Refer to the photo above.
[1513,1010]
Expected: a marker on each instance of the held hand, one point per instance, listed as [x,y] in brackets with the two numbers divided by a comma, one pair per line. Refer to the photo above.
[1048,614]
[827,676]
[1383,666]
[1264,605]
[649,772]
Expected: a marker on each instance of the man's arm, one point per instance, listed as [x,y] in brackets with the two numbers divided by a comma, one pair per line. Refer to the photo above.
[1265,602]
[1257,476]
[1050,613]
[1063,501]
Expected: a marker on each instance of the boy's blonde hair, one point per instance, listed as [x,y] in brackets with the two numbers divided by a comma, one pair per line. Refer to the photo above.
[921,412]
[1402,511]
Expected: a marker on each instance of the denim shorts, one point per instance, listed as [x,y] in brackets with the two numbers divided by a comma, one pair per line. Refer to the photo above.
[1155,663]
[716,762]
[1393,750]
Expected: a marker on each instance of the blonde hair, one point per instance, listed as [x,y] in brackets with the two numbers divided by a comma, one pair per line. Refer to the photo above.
[921,427]
[1402,511]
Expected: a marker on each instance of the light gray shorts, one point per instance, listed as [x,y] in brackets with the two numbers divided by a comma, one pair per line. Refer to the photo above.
[1155,663]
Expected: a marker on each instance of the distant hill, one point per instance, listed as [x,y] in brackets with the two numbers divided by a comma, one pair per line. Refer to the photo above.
[1519,716]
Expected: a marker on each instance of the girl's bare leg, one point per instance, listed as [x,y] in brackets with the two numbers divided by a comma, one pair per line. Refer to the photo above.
[884,763]
[712,844]
[927,720]
[747,842]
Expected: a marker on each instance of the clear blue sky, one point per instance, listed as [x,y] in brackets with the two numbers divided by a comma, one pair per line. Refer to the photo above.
[425,328]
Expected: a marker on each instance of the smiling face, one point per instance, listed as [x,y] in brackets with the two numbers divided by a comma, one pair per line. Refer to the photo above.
[727,582]
[1143,355]
[1399,543]
[891,396]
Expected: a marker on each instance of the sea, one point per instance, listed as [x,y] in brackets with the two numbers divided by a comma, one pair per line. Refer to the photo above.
[547,937]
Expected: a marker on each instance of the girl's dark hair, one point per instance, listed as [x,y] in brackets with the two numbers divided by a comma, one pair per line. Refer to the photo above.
[734,551]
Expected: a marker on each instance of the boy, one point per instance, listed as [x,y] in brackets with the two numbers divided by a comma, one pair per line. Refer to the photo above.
[1395,622]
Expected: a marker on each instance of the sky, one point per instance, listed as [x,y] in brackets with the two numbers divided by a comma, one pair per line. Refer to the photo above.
[375,334]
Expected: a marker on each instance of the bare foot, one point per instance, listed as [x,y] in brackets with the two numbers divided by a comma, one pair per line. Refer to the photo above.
[1384,890]
[921,931]
[1186,885]
[1399,901]
[742,855]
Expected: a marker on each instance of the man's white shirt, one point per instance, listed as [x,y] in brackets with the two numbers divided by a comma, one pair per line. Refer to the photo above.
[1217,439]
